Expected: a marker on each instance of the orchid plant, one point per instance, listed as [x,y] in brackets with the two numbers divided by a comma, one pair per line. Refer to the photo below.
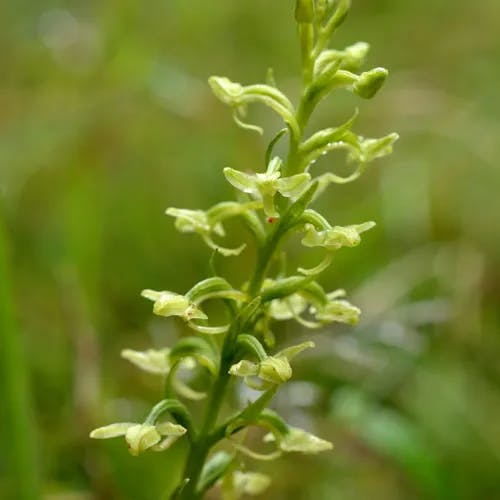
[273,204]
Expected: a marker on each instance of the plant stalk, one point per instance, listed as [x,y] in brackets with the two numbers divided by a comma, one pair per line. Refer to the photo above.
[18,431]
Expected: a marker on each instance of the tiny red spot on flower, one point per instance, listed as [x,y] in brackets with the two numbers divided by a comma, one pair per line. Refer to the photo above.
[271,219]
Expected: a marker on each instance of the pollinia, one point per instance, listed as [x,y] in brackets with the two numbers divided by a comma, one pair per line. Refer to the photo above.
[274,204]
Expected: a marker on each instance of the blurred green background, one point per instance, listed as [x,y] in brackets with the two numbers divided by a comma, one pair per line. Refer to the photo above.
[106,119]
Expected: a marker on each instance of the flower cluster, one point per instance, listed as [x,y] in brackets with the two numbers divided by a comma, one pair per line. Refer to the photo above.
[274,203]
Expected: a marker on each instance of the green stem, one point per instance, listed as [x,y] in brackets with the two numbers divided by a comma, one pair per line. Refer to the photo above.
[264,259]
[19,434]
[201,446]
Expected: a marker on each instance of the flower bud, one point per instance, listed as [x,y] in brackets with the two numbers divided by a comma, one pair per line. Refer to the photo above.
[370,82]
[227,91]
[304,11]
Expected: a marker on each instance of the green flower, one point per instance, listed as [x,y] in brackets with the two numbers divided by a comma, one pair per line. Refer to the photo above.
[340,311]
[237,483]
[152,360]
[238,97]
[298,440]
[351,58]
[265,186]
[336,237]
[325,308]
[141,437]
[271,370]
[287,308]
[209,223]
[173,304]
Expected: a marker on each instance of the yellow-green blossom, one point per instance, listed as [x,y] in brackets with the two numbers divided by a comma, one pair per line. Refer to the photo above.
[336,237]
[298,440]
[208,223]
[271,370]
[265,186]
[142,437]
[237,483]
[152,361]
[173,304]
[341,311]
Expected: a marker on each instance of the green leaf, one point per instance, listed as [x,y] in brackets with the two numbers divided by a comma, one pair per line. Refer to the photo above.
[247,314]
[339,15]
[250,345]
[315,145]
[213,288]
[295,211]
[177,409]
[213,470]
[284,287]
[198,348]
[274,141]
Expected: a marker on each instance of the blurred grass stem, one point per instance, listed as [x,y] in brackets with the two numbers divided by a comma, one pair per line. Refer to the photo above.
[18,430]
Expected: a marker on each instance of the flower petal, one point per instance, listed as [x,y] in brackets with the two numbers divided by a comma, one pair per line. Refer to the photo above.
[294,186]
[152,360]
[240,180]
[250,483]
[170,429]
[188,221]
[287,308]
[340,311]
[111,431]
[298,440]
[290,352]
[244,369]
